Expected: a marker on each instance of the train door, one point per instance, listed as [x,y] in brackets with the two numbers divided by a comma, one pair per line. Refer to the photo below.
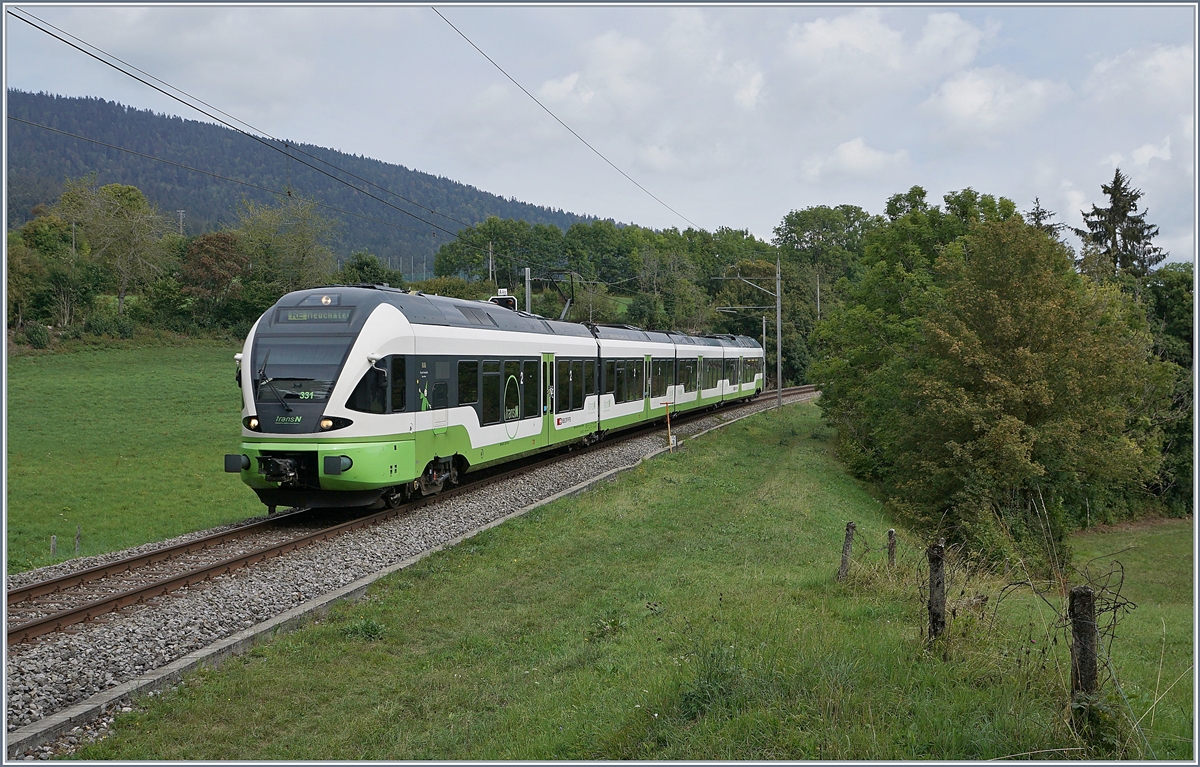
[646,386]
[548,397]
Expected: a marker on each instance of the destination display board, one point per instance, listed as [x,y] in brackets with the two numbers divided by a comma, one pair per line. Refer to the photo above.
[304,314]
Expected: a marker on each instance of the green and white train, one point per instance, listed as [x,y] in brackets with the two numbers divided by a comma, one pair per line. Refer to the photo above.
[368,395]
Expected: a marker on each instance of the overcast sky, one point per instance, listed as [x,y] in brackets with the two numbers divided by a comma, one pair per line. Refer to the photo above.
[732,116]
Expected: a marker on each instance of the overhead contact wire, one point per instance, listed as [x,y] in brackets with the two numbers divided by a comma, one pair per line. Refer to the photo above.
[560,122]
[243,122]
[275,192]
[234,127]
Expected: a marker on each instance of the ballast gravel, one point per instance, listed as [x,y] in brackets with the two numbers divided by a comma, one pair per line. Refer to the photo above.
[46,676]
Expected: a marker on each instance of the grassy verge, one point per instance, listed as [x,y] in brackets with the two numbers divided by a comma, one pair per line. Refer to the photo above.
[124,442]
[1153,652]
[685,611]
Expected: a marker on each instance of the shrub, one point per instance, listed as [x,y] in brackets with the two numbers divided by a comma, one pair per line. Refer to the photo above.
[123,327]
[37,336]
[99,325]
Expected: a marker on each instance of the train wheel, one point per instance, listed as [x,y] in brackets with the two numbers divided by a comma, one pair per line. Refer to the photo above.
[394,497]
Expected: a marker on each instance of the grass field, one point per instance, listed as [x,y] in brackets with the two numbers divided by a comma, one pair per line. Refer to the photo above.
[685,611]
[125,443]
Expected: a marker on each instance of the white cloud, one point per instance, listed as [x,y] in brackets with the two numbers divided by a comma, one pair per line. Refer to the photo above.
[1159,75]
[747,95]
[854,158]
[564,88]
[856,53]
[1147,152]
[992,100]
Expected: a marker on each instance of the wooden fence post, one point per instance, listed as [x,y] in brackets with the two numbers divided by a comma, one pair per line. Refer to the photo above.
[53,545]
[1082,610]
[845,568]
[891,548]
[937,589]
[78,535]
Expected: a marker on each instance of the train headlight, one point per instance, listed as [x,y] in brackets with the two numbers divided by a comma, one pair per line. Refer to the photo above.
[331,422]
[251,423]
[326,423]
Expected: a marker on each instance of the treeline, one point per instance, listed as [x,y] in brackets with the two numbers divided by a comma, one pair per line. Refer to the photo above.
[40,161]
[103,260]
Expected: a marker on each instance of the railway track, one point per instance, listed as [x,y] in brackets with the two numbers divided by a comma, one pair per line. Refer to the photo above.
[56,604]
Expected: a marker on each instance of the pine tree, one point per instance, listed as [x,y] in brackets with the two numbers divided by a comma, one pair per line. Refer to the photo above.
[1122,235]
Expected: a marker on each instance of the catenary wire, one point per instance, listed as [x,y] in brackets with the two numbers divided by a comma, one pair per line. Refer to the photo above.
[560,122]
[286,144]
[283,151]
[259,139]
[275,192]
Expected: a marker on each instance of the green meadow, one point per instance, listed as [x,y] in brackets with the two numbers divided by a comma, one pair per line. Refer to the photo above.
[123,443]
[689,610]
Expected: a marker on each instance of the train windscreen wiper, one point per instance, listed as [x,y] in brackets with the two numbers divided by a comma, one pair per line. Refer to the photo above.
[262,379]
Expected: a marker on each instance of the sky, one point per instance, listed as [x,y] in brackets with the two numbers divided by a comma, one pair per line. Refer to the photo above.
[730,115]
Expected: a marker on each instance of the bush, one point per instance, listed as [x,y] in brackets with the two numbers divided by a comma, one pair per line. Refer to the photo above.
[99,325]
[37,336]
[123,327]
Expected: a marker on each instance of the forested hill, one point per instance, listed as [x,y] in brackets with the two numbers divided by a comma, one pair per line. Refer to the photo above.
[40,160]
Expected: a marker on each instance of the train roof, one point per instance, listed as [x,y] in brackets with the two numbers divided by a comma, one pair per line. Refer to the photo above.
[424,309]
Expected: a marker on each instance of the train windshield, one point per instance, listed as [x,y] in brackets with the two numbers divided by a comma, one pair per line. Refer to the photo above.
[297,367]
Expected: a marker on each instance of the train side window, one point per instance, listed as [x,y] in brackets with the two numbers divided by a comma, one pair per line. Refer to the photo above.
[639,379]
[491,392]
[468,382]
[619,380]
[589,377]
[529,384]
[577,385]
[512,390]
[368,396]
[441,395]
[562,386]
[610,377]
[399,384]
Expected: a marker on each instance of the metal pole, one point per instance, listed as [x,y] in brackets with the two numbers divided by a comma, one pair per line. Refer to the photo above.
[180,212]
[528,292]
[818,295]
[778,336]
[490,262]
[764,334]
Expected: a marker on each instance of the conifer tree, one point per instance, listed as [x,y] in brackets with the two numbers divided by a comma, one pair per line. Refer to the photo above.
[1123,235]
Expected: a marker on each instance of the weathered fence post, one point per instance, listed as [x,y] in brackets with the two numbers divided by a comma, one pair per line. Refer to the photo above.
[845,568]
[1082,610]
[78,535]
[1006,567]
[53,545]
[937,589]
[891,548]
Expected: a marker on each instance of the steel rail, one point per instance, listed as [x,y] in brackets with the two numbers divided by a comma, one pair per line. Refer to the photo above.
[60,620]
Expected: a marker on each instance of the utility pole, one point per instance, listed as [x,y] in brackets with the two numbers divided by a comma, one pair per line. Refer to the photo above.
[528,292]
[72,240]
[818,296]
[180,212]
[764,332]
[778,336]
[490,279]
